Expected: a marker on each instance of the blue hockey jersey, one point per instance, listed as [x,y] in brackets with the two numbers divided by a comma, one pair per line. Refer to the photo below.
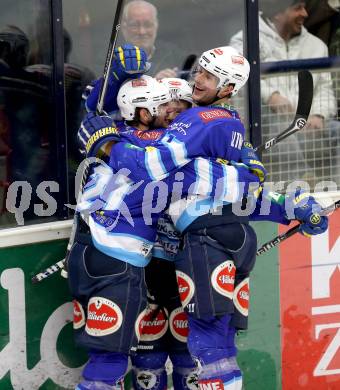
[124,220]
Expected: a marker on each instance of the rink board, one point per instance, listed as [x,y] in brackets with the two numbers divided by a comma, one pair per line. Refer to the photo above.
[293,340]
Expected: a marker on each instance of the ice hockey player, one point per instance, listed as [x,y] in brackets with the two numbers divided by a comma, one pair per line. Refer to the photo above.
[99,283]
[216,247]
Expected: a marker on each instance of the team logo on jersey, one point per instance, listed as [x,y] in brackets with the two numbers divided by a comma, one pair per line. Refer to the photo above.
[151,135]
[150,327]
[78,315]
[186,287]
[211,115]
[103,317]
[139,83]
[146,379]
[241,297]
[237,60]
[223,278]
[146,248]
[179,324]
[210,384]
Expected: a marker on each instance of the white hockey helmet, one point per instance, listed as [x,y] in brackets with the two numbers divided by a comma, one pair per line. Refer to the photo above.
[179,88]
[228,65]
[144,92]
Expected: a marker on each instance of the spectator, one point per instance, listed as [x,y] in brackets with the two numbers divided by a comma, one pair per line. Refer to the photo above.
[77,77]
[323,19]
[140,27]
[283,37]
[24,116]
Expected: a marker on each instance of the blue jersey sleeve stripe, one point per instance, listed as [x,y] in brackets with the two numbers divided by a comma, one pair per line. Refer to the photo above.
[178,152]
[154,165]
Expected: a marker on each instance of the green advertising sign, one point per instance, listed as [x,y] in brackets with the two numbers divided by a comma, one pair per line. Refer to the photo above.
[36,343]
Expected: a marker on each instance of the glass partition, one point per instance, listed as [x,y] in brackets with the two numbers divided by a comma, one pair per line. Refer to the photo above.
[173,32]
[26,108]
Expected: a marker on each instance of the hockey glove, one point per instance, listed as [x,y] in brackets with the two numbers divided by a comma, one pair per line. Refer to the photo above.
[307,211]
[250,158]
[94,132]
[128,62]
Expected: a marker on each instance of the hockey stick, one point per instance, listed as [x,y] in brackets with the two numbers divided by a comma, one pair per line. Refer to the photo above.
[60,265]
[282,237]
[305,81]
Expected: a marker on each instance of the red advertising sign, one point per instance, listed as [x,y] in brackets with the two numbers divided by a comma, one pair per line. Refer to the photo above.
[310,310]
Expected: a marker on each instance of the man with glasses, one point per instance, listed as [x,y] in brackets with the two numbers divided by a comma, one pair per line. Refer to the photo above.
[140,27]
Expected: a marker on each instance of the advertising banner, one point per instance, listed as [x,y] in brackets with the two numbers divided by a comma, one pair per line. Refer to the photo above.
[36,341]
[310,310]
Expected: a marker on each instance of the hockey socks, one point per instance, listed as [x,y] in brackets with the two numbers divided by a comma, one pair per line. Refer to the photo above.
[149,371]
[185,371]
[212,342]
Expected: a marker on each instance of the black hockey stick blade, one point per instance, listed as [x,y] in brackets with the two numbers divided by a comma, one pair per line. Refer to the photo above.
[305,101]
[282,237]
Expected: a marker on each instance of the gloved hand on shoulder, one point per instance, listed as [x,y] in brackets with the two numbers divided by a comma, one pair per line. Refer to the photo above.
[252,161]
[94,132]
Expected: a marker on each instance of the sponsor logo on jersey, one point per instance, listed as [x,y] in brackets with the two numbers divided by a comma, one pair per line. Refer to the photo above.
[179,324]
[241,297]
[223,278]
[208,116]
[139,83]
[78,315]
[104,317]
[237,60]
[150,327]
[210,384]
[186,287]
[181,127]
[151,135]
[146,379]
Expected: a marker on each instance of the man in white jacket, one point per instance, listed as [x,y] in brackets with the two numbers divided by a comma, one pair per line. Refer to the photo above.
[283,37]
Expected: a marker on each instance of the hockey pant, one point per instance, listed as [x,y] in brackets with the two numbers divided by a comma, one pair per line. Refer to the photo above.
[109,295]
[163,333]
